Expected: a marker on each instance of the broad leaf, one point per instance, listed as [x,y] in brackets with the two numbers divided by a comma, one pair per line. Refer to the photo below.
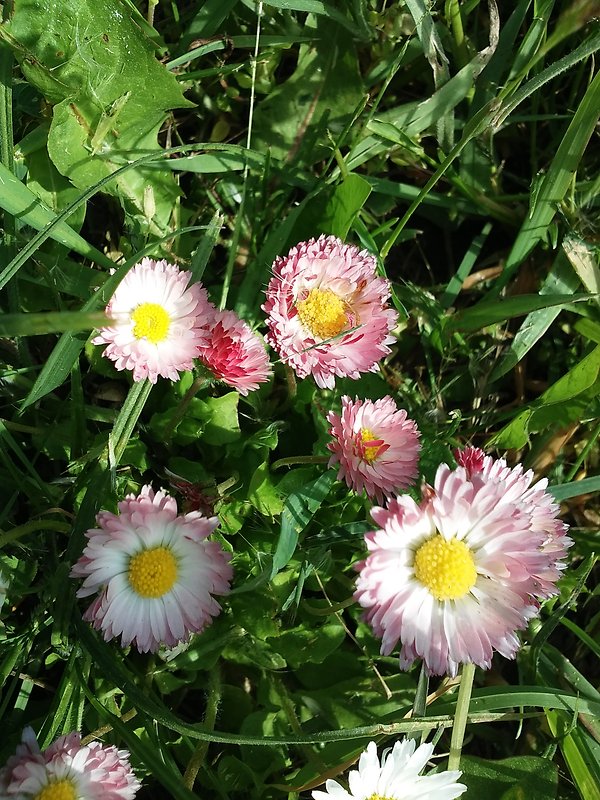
[110,95]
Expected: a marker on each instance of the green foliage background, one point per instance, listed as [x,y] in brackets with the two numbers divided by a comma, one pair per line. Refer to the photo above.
[456,141]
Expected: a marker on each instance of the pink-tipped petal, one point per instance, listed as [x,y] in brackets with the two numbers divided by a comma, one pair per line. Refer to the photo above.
[327,311]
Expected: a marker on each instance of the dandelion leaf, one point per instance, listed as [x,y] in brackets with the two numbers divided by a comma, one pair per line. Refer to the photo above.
[110,95]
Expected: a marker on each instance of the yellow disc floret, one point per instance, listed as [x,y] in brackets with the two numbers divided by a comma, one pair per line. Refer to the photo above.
[150,321]
[152,573]
[57,790]
[379,797]
[323,313]
[445,567]
[370,453]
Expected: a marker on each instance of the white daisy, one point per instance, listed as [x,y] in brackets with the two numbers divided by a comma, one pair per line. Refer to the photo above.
[156,321]
[397,777]
[155,572]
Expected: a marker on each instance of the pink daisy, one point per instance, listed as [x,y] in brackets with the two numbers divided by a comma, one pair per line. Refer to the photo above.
[376,446]
[154,571]
[327,310]
[454,578]
[67,771]
[398,775]
[157,321]
[234,353]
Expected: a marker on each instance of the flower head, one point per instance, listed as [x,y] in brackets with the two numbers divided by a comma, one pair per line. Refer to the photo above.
[376,446]
[234,353]
[155,572]
[327,310]
[455,577]
[157,321]
[396,777]
[67,771]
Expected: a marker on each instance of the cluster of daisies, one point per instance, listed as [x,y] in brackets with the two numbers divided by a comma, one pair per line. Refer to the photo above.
[71,770]
[450,579]
[162,325]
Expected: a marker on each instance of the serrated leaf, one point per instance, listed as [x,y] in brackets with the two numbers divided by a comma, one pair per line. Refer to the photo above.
[93,62]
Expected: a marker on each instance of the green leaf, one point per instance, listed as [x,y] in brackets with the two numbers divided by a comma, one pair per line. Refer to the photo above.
[298,511]
[208,19]
[263,493]
[127,419]
[53,189]
[110,95]
[50,322]
[576,380]
[519,778]
[564,491]
[561,280]
[559,175]
[316,7]
[220,415]
[566,400]
[321,94]
[21,202]
[313,645]
[583,260]
[142,749]
[580,751]
[490,313]
[347,200]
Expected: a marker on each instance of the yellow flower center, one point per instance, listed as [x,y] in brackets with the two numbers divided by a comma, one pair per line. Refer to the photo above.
[152,573]
[323,313]
[57,790]
[370,453]
[379,797]
[150,321]
[446,568]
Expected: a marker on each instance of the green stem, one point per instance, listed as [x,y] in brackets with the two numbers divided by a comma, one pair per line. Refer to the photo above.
[454,19]
[460,717]
[291,460]
[420,701]
[30,527]
[210,717]
[127,420]
[102,731]
[179,412]
[7,159]
[290,378]
[287,706]
[591,442]
[151,8]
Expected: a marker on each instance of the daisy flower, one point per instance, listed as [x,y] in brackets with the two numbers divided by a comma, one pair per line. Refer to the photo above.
[327,310]
[234,353]
[396,777]
[156,321]
[454,578]
[376,446]
[67,771]
[155,572]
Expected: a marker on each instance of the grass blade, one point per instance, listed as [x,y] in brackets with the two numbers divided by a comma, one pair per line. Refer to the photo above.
[298,511]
